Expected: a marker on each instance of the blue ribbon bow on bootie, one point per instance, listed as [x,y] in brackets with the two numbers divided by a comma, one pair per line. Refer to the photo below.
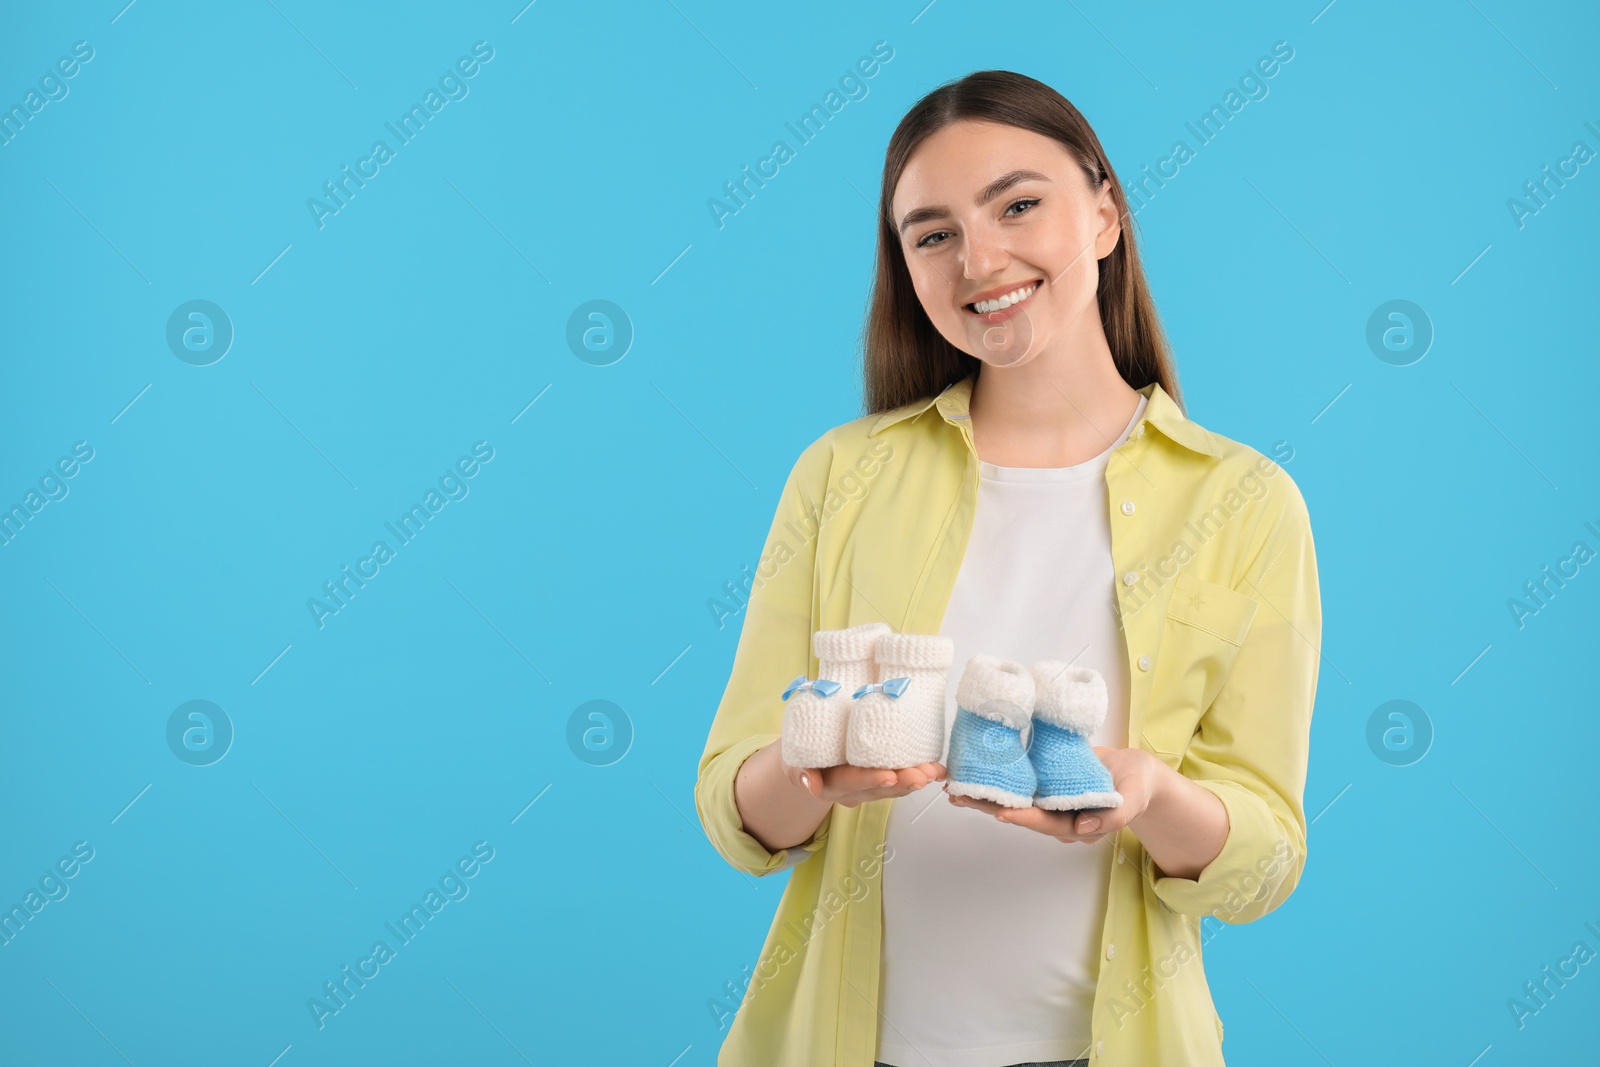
[892,687]
[821,686]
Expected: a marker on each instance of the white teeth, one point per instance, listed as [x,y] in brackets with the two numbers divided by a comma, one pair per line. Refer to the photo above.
[984,307]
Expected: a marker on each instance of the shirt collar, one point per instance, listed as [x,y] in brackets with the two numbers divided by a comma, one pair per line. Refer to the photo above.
[1161,411]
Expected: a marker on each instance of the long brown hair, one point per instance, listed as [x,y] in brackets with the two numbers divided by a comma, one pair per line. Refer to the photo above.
[905,357]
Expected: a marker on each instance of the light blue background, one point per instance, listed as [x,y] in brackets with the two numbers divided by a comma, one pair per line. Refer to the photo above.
[428,313]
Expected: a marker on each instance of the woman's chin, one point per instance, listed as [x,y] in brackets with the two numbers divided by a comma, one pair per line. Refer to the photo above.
[1003,344]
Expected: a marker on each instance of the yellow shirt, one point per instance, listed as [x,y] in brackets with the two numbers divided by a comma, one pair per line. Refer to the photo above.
[1222,620]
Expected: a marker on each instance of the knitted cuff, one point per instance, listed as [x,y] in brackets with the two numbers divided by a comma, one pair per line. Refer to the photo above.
[850,645]
[997,689]
[1073,698]
[929,652]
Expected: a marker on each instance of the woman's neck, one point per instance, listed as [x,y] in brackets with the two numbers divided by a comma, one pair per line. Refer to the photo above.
[1049,412]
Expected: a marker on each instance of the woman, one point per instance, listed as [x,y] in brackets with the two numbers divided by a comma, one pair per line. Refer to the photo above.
[1027,484]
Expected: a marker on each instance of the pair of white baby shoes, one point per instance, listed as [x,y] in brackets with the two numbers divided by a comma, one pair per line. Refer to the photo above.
[878,700]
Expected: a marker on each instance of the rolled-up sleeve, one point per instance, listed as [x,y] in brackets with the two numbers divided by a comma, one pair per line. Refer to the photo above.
[774,647]
[1252,744]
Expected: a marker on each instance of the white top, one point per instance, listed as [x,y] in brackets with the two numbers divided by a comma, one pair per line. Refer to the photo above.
[992,932]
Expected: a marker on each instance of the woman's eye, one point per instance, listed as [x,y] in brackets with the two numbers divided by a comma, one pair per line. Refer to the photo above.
[929,240]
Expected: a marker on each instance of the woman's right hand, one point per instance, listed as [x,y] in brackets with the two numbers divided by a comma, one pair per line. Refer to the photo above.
[781,806]
[849,786]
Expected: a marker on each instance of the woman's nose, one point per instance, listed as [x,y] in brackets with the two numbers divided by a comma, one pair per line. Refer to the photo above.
[986,254]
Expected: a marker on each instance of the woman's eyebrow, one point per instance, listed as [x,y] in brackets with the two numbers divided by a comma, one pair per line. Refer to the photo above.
[986,194]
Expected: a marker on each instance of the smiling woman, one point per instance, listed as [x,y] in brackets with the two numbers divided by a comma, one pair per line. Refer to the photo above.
[1050,226]
[1051,503]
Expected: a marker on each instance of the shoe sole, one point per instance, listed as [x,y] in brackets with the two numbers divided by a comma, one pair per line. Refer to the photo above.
[979,791]
[1077,803]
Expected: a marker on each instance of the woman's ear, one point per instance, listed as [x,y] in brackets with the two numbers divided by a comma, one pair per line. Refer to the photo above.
[1110,232]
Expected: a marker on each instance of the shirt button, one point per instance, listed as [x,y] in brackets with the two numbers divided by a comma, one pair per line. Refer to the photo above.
[1111,950]
[1127,507]
[1130,578]
[1144,663]
[1099,1048]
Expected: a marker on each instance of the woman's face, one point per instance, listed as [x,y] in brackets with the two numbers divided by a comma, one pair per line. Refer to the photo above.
[988,211]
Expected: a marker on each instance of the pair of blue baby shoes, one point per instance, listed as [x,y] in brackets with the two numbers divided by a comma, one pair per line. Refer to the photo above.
[1060,705]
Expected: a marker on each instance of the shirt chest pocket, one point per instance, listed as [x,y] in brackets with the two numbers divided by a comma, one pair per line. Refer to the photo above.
[1204,629]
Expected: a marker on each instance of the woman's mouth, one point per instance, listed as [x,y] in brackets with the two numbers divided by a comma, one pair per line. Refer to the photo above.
[1004,307]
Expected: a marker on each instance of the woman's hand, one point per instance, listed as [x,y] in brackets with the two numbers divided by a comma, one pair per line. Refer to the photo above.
[783,805]
[1134,774]
[848,786]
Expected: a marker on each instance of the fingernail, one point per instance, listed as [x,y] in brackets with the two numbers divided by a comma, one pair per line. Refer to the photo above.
[1088,826]
[805,780]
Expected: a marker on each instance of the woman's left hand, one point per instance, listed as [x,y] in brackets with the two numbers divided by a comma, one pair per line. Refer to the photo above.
[1134,774]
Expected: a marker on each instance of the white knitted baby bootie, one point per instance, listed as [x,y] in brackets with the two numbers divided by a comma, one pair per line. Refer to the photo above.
[898,721]
[815,716]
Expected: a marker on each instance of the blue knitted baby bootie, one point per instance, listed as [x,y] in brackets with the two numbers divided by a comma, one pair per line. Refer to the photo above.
[994,701]
[1069,706]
